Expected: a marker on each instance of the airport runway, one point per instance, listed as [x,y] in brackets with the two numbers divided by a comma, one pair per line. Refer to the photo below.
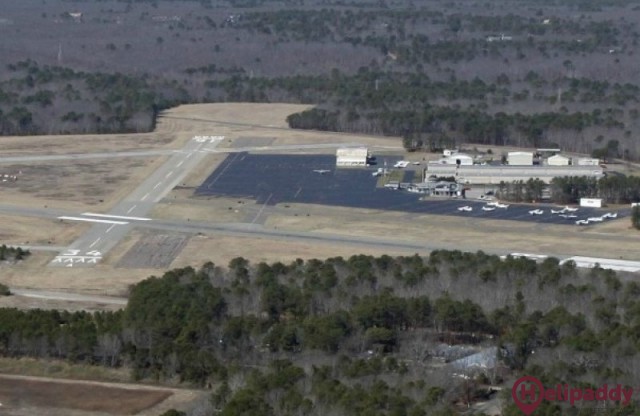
[109,229]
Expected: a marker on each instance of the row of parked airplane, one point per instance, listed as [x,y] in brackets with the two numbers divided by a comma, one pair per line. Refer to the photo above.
[610,215]
[491,206]
[562,212]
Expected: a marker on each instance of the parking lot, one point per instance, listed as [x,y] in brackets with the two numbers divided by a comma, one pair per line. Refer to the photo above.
[274,179]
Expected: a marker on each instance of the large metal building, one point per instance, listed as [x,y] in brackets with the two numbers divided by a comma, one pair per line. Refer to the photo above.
[489,174]
[520,158]
[352,156]
[558,160]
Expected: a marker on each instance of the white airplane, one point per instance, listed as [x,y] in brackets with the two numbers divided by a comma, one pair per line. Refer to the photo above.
[610,215]
[595,219]
[582,222]
[401,164]
[568,216]
[504,206]
[569,209]
[487,208]
[415,163]
[321,171]
[560,211]
[536,212]
[465,208]
[492,204]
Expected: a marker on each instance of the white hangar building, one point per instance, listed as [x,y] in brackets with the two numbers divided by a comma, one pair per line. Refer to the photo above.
[352,156]
[520,158]
[558,160]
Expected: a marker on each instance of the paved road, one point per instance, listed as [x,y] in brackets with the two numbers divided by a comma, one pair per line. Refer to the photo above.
[70,297]
[83,156]
[110,228]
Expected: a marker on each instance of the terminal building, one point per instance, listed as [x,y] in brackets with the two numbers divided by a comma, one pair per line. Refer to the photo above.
[494,174]
[352,156]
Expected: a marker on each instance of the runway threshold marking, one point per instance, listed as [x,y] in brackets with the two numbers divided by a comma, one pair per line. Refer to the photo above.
[93,220]
[122,217]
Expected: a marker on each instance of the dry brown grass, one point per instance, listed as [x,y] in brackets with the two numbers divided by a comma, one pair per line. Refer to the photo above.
[221,249]
[77,185]
[38,231]
[96,143]
[84,396]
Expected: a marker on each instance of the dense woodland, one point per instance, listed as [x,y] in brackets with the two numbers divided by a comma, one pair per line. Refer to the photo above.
[613,189]
[362,335]
[520,72]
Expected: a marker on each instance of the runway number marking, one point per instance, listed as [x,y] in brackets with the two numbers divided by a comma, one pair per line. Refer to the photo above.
[71,257]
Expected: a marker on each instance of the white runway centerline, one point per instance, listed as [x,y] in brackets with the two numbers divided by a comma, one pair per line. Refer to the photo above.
[93,220]
[121,217]
[131,209]
[97,240]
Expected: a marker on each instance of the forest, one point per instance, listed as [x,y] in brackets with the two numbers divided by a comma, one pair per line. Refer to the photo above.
[362,335]
[520,73]
[614,189]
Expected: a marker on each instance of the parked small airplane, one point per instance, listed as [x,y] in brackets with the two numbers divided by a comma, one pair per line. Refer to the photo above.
[595,219]
[536,212]
[401,164]
[465,208]
[321,171]
[569,209]
[582,222]
[568,216]
[488,208]
[560,211]
[610,215]
[503,206]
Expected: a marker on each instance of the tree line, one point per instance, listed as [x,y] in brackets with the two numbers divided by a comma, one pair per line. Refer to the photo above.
[613,189]
[350,336]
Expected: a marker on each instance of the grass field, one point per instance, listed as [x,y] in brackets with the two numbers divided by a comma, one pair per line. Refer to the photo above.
[16,393]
